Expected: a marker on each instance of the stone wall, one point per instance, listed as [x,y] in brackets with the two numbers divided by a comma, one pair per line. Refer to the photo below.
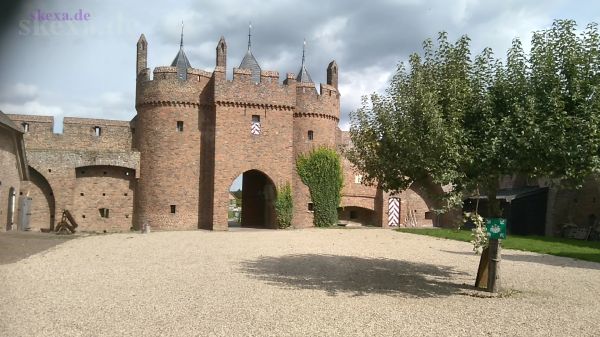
[9,178]
[108,188]
[169,124]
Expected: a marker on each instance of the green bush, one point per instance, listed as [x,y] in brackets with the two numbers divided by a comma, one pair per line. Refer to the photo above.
[321,171]
[284,206]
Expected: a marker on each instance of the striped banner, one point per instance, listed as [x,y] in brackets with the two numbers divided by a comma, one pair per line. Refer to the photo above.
[393,212]
[255,130]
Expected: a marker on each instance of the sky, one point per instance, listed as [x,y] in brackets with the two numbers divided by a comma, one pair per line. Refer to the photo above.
[86,67]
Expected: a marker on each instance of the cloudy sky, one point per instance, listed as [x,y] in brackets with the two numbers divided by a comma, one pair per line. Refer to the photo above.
[86,68]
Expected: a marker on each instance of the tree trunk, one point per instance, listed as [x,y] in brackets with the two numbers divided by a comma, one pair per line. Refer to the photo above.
[488,273]
[494,257]
[494,210]
[493,282]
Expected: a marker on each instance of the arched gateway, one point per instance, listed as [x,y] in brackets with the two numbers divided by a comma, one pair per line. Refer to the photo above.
[258,194]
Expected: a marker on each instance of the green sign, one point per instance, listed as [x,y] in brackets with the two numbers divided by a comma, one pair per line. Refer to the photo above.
[496,228]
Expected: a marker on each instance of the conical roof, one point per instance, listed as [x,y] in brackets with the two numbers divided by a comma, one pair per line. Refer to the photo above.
[181,61]
[303,75]
[249,61]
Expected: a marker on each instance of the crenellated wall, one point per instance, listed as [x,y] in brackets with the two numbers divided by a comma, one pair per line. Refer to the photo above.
[171,114]
[55,158]
[236,149]
[78,133]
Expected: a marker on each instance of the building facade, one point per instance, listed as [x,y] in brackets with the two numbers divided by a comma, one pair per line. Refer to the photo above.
[172,165]
[13,171]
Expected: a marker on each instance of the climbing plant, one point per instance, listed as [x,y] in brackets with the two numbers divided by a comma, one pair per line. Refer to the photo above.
[321,170]
[284,206]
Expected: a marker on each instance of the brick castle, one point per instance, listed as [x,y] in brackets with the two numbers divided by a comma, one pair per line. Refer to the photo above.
[195,131]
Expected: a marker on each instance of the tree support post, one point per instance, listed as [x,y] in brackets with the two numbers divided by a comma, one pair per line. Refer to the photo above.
[493,283]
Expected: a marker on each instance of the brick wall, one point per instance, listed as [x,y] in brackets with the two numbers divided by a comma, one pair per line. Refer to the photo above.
[170,159]
[42,206]
[78,133]
[107,187]
[9,176]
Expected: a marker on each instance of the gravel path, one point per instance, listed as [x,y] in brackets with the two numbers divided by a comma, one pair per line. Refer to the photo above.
[361,282]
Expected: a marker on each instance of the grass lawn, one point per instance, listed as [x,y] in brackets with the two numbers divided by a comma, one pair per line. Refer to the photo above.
[577,249]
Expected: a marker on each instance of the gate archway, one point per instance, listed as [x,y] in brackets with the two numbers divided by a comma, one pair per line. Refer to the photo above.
[258,194]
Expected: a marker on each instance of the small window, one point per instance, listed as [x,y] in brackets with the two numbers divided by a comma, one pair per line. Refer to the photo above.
[25,126]
[311,206]
[255,128]
[104,212]
[358,179]
[97,131]
[173,209]
[311,135]
[103,194]
[81,194]
[180,126]
[50,170]
[83,216]
[353,215]
[125,194]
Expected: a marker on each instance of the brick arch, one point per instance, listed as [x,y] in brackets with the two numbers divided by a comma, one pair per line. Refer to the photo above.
[357,215]
[258,197]
[43,203]
[417,202]
[366,202]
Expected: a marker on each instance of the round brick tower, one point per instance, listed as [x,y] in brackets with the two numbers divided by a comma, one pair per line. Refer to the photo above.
[315,123]
[168,136]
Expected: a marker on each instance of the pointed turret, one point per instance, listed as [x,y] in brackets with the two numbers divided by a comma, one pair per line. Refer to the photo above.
[303,75]
[181,61]
[142,55]
[222,53]
[249,62]
[332,74]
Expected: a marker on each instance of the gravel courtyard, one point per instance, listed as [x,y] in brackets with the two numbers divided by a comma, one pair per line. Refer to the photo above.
[346,282]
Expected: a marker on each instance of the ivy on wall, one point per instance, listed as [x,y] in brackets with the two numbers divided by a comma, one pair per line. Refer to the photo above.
[284,206]
[321,170]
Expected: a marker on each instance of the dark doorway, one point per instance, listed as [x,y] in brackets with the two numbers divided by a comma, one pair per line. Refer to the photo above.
[352,215]
[258,198]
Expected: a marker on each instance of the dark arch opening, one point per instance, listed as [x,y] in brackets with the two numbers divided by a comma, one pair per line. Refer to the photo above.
[257,201]
[43,209]
[354,215]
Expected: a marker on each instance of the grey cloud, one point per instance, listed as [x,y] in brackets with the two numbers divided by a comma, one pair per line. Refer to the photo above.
[374,37]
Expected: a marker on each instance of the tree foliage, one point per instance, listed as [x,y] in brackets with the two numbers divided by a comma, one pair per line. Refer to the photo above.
[284,206]
[467,121]
[321,170]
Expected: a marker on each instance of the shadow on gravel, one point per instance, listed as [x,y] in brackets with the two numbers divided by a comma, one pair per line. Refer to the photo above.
[15,246]
[358,275]
[550,260]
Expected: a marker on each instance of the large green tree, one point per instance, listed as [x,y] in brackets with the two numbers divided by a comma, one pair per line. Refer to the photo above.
[466,121]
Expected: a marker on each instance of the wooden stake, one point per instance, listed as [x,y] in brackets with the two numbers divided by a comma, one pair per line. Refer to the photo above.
[482,272]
